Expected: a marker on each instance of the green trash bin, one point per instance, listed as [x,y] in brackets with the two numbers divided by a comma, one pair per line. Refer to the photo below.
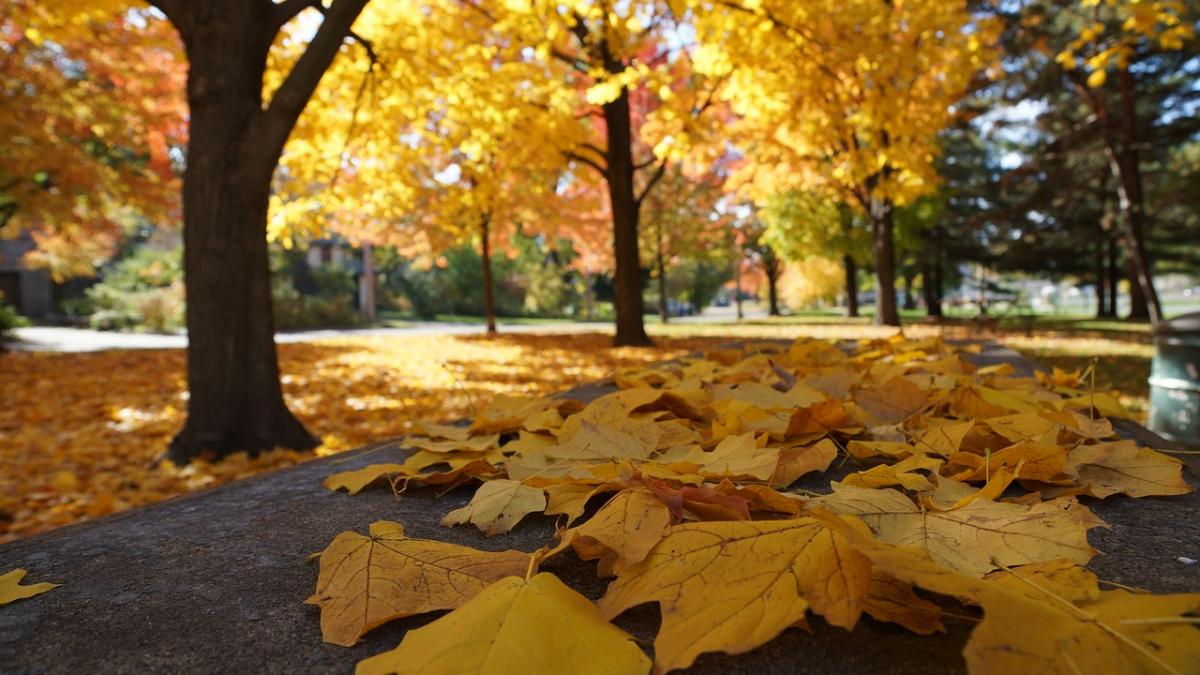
[1175,380]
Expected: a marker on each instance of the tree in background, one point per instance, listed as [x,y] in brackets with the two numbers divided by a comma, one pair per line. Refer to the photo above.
[802,225]
[850,105]
[91,107]
[1119,36]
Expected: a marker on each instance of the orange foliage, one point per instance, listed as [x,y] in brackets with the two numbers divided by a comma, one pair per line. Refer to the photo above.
[80,433]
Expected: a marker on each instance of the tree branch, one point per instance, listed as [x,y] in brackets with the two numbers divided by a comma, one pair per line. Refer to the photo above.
[288,9]
[271,127]
[585,160]
[654,178]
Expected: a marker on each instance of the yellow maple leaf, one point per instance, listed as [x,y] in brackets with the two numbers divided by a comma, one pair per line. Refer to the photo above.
[732,585]
[366,581]
[12,590]
[498,505]
[1036,630]
[977,538]
[892,402]
[1122,467]
[623,531]
[516,626]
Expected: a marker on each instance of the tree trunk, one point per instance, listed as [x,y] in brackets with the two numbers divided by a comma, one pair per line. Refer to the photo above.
[933,305]
[772,268]
[910,301]
[1101,287]
[1139,308]
[851,285]
[627,286]
[235,398]
[883,225]
[663,309]
[366,284]
[1114,276]
[737,281]
[1125,166]
[489,295]
[235,401]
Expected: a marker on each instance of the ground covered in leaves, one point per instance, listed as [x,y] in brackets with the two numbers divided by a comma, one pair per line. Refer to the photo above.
[80,433]
[685,486]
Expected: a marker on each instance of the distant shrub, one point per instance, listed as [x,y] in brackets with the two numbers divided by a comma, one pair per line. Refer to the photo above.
[9,319]
[143,291]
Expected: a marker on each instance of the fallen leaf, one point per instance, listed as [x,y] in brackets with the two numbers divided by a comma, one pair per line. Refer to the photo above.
[977,538]
[892,402]
[1036,631]
[623,531]
[1122,467]
[12,590]
[731,586]
[497,506]
[516,626]
[366,581]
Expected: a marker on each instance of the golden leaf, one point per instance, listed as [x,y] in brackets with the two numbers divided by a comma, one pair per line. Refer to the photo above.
[516,626]
[12,590]
[978,537]
[892,402]
[731,586]
[623,531]
[1122,467]
[498,505]
[1038,631]
[366,581]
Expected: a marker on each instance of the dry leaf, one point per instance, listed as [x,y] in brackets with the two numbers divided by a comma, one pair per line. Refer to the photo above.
[978,537]
[12,590]
[623,531]
[516,626]
[731,586]
[1122,467]
[367,581]
[498,505]
[1036,631]
[892,402]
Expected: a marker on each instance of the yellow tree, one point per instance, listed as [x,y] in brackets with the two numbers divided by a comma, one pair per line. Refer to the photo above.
[1109,36]
[844,97]
[433,138]
[635,95]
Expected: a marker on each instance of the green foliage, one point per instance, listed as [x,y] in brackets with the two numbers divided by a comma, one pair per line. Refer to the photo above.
[9,318]
[142,291]
[701,281]
[305,297]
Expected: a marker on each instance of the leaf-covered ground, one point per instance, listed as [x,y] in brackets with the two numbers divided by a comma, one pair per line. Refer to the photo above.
[80,433]
[979,488]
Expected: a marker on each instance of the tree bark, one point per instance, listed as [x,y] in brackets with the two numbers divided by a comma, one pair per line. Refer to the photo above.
[883,226]
[489,296]
[235,399]
[772,267]
[663,309]
[910,301]
[1114,276]
[627,286]
[366,284]
[933,305]
[1121,149]
[851,285]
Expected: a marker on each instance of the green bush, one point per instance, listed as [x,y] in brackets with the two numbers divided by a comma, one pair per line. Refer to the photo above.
[143,291]
[9,319]
[294,311]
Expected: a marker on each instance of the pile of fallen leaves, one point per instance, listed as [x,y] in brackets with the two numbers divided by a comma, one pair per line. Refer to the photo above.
[678,484]
[80,433]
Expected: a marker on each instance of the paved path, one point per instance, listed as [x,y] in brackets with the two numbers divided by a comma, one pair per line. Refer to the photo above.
[58,339]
